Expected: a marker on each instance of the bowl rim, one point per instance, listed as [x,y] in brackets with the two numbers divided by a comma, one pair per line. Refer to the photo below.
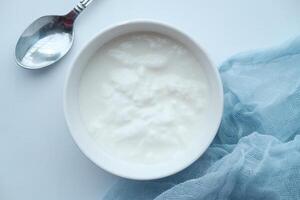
[172,28]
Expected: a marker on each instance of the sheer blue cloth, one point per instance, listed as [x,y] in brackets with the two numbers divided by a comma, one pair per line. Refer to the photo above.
[256,154]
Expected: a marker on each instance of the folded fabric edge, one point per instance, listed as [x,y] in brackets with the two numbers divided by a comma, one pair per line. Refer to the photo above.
[258,56]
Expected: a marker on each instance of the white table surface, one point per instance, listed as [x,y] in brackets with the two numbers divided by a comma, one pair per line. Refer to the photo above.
[38,158]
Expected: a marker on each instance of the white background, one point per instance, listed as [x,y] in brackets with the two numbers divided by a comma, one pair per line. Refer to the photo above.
[38,158]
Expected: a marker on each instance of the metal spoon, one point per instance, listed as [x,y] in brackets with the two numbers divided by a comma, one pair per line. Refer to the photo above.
[47,39]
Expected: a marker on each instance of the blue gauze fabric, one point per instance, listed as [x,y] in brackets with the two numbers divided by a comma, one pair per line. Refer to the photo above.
[256,154]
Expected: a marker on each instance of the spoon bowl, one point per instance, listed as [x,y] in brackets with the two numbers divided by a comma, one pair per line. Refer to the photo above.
[44,42]
[47,39]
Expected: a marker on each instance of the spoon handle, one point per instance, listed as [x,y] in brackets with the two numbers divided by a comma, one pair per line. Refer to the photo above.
[82,5]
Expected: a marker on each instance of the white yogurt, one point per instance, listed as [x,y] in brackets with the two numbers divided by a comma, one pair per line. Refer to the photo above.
[142,98]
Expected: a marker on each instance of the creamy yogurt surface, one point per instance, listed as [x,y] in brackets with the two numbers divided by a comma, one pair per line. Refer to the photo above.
[143,98]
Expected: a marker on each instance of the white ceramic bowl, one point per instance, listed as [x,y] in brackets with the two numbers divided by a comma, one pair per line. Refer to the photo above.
[89,146]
